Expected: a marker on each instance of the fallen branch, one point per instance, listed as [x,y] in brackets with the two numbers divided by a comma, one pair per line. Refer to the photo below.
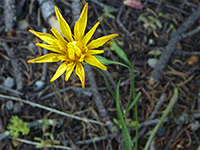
[75,10]
[121,25]
[170,48]
[154,113]
[39,144]
[96,95]
[50,109]
[9,15]
[15,65]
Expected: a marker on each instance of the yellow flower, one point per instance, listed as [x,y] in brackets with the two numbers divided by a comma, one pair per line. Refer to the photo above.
[74,50]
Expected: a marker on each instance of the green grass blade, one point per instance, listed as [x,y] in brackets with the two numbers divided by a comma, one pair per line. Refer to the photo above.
[165,114]
[137,127]
[132,103]
[107,82]
[125,133]
[132,83]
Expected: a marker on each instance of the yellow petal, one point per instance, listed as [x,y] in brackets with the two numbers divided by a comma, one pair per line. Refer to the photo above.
[61,69]
[70,68]
[53,48]
[58,36]
[81,73]
[92,60]
[64,27]
[90,34]
[48,38]
[94,52]
[60,42]
[80,25]
[51,57]
[100,41]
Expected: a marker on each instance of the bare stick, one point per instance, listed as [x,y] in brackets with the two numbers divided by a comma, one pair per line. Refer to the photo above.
[10,90]
[102,5]
[176,131]
[75,10]
[166,112]
[39,144]
[121,25]
[50,109]
[47,9]
[96,95]
[93,140]
[150,122]
[45,65]
[9,14]
[97,98]
[15,65]
[158,105]
[199,99]
[169,49]
[191,33]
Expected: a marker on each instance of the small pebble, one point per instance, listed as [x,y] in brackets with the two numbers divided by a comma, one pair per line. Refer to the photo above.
[23,24]
[194,126]
[152,62]
[9,105]
[9,82]
[151,41]
[39,85]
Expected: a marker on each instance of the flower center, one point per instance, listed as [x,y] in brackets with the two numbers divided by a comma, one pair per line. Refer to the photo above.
[74,52]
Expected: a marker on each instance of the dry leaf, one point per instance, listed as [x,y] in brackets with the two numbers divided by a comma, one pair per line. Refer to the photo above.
[134,4]
[193,60]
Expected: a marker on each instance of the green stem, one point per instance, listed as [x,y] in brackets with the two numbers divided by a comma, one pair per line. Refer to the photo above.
[132,83]
[165,114]
[136,128]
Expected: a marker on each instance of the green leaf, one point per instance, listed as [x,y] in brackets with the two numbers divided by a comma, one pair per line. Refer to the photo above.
[119,52]
[152,18]
[158,23]
[17,126]
[134,124]
[171,26]
[110,16]
[117,123]
[155,52]
[128,145]
[160,14]
[145,20]
[133,103]
[107,81]
[109,62]
[153,26]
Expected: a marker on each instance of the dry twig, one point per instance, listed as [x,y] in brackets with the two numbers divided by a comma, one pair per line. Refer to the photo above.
[15,65]
[9,14]
[96,95]
[169,49]
[150,122]
[176,131]
[121,25]
[50,109]
[75,10]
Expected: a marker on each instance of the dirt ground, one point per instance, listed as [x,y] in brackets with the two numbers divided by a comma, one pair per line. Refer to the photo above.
[161,39]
